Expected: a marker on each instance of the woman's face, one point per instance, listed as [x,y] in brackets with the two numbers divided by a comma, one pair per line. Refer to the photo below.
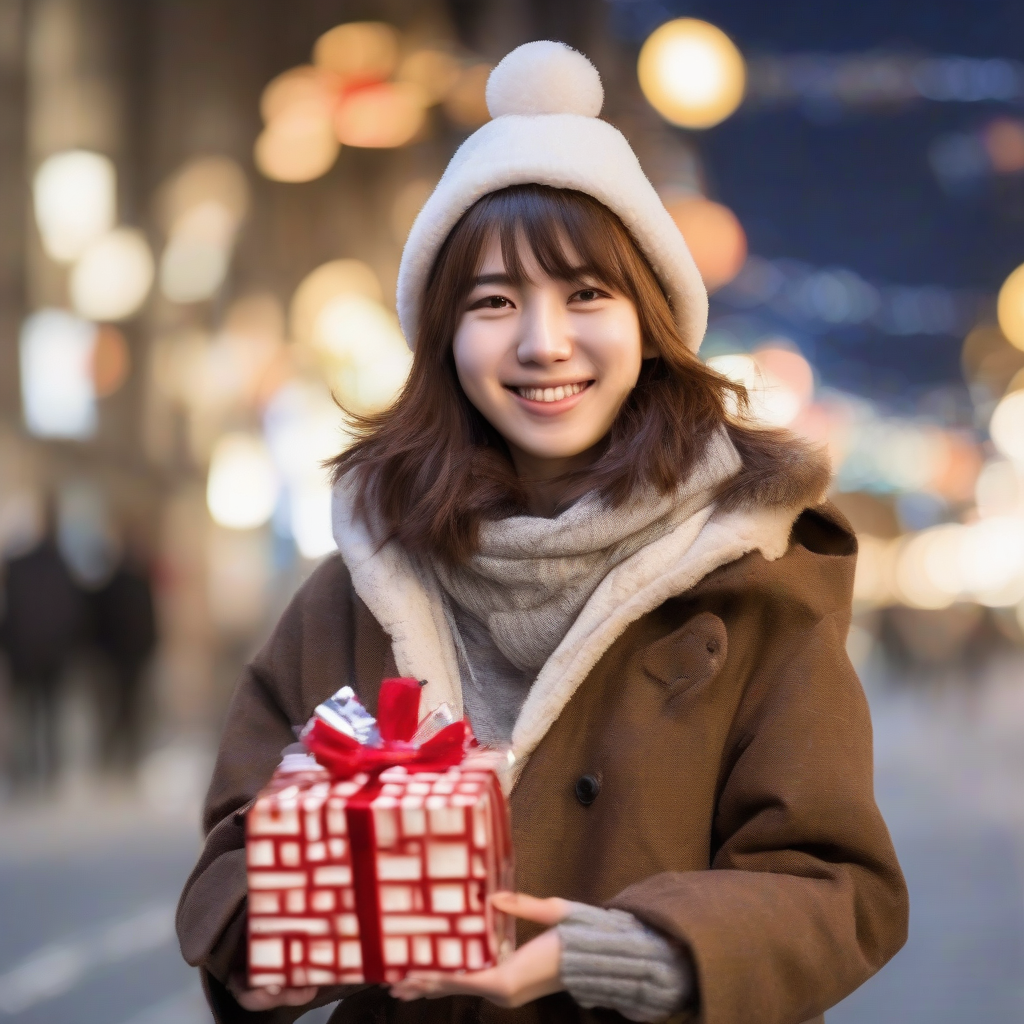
[548,363]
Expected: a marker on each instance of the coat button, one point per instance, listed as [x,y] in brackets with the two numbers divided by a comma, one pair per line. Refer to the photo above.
[587,788]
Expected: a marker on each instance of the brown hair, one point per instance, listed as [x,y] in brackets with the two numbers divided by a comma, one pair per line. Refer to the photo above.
[433,469]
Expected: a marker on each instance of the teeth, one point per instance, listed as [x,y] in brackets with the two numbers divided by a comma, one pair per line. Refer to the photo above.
[550,394]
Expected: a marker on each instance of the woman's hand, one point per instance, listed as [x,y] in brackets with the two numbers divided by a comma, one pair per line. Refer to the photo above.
[255,999]
[531,972]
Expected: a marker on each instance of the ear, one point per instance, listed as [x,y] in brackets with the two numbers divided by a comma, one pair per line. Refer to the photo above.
[648,350]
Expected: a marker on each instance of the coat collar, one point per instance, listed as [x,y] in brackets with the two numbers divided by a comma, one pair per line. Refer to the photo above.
[757,516]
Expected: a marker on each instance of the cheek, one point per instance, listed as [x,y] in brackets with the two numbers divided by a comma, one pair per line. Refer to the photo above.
[470,351]
[621,352]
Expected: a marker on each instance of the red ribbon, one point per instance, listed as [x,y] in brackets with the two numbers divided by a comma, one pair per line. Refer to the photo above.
[397,716]
[343,757]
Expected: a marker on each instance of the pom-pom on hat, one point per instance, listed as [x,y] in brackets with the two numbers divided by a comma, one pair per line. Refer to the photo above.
[544,98]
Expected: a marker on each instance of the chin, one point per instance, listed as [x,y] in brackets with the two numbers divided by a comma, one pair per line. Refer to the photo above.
[539,450]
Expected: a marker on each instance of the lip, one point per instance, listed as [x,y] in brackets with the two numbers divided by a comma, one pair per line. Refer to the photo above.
[549,408]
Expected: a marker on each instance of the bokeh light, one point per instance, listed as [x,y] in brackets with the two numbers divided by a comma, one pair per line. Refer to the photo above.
[304,85]
[75,200]
[200,180]
[202,207]
[999,489]
[111,361]
[327,282]
[113,276]
[714,236]
[195,262]
[304,427]
[691,73]
[873,579]
[242,486]
[358,51]
[366,357]
[381,116]
[926,569]
[1004,141]
[57,391]
[466,102]
[779,381]
[1010,307]
[992,561]
[1007,426]
[298,145]
[434,71]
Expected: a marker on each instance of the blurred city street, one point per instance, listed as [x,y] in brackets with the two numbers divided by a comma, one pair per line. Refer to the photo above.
[88,883]
[203,208]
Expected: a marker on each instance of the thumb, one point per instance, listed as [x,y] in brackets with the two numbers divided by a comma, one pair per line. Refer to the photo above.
[548,911]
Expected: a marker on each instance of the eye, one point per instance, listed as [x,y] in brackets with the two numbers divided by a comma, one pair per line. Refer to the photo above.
[588,295]
[492,302]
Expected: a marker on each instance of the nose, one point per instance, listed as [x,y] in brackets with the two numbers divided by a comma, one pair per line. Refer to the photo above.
[545,337]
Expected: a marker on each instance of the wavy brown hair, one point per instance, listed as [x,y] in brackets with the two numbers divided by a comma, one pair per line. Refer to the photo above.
[433,469]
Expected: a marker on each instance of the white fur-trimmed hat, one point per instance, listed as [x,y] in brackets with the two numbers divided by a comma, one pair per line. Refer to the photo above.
[544,98]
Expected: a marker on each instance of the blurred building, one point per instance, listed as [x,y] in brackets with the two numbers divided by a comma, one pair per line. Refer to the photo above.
[204,208]
[202,213]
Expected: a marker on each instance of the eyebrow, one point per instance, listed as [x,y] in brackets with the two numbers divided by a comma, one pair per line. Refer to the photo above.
[574,275]
[492,279]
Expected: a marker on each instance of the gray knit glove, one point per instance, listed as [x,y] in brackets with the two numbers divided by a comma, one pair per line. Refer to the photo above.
[611,959]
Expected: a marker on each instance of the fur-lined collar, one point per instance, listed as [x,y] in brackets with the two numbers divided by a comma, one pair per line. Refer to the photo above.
[781,476]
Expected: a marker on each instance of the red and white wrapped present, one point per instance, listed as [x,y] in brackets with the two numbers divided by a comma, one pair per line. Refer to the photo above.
[377,855]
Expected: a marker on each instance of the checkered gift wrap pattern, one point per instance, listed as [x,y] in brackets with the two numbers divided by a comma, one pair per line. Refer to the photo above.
[441,845]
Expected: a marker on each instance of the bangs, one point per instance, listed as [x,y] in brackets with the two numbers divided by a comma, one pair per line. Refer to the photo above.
[569,234]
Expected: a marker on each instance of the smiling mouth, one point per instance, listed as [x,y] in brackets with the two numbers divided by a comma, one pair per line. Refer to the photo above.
[555,394]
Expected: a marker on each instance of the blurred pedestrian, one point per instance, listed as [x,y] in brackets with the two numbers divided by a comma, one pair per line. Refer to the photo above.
[44,614]
[124,631]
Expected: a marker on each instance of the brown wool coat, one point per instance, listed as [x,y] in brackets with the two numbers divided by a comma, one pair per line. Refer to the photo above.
[732,742]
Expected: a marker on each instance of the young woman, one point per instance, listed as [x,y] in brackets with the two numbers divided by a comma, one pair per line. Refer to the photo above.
[565,525]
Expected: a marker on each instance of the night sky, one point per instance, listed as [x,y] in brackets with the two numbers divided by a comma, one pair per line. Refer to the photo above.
[854,187]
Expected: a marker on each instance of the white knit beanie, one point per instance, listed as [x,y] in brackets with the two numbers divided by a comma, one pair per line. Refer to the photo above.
[544,98]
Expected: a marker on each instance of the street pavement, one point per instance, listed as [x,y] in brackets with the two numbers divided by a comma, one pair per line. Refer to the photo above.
[88,881]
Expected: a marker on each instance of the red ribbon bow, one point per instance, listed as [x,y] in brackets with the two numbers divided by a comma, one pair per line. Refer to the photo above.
[397,718]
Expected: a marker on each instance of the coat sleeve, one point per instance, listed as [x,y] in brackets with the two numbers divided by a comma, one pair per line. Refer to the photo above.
[805,899]
[311,653]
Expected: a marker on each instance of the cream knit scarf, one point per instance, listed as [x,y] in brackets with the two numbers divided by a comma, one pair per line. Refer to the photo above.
[532,576]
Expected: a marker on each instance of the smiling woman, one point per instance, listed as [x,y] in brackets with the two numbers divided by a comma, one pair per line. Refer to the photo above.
[535,289]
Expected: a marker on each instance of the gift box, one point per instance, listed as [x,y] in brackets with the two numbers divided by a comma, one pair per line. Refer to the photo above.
[375,854]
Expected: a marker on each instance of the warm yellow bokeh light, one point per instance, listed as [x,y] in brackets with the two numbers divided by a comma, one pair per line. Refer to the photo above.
[466,102]
[925,575]
[873,579]
[714,236]
[1007,427]
[204,179]
[113,276]
[779,383]
[75,199]
[381,116]
[242,486]
[359,51]
[691,73]
[434,71]
[329,281]
[1010,308]
[302,85]
[298,145]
